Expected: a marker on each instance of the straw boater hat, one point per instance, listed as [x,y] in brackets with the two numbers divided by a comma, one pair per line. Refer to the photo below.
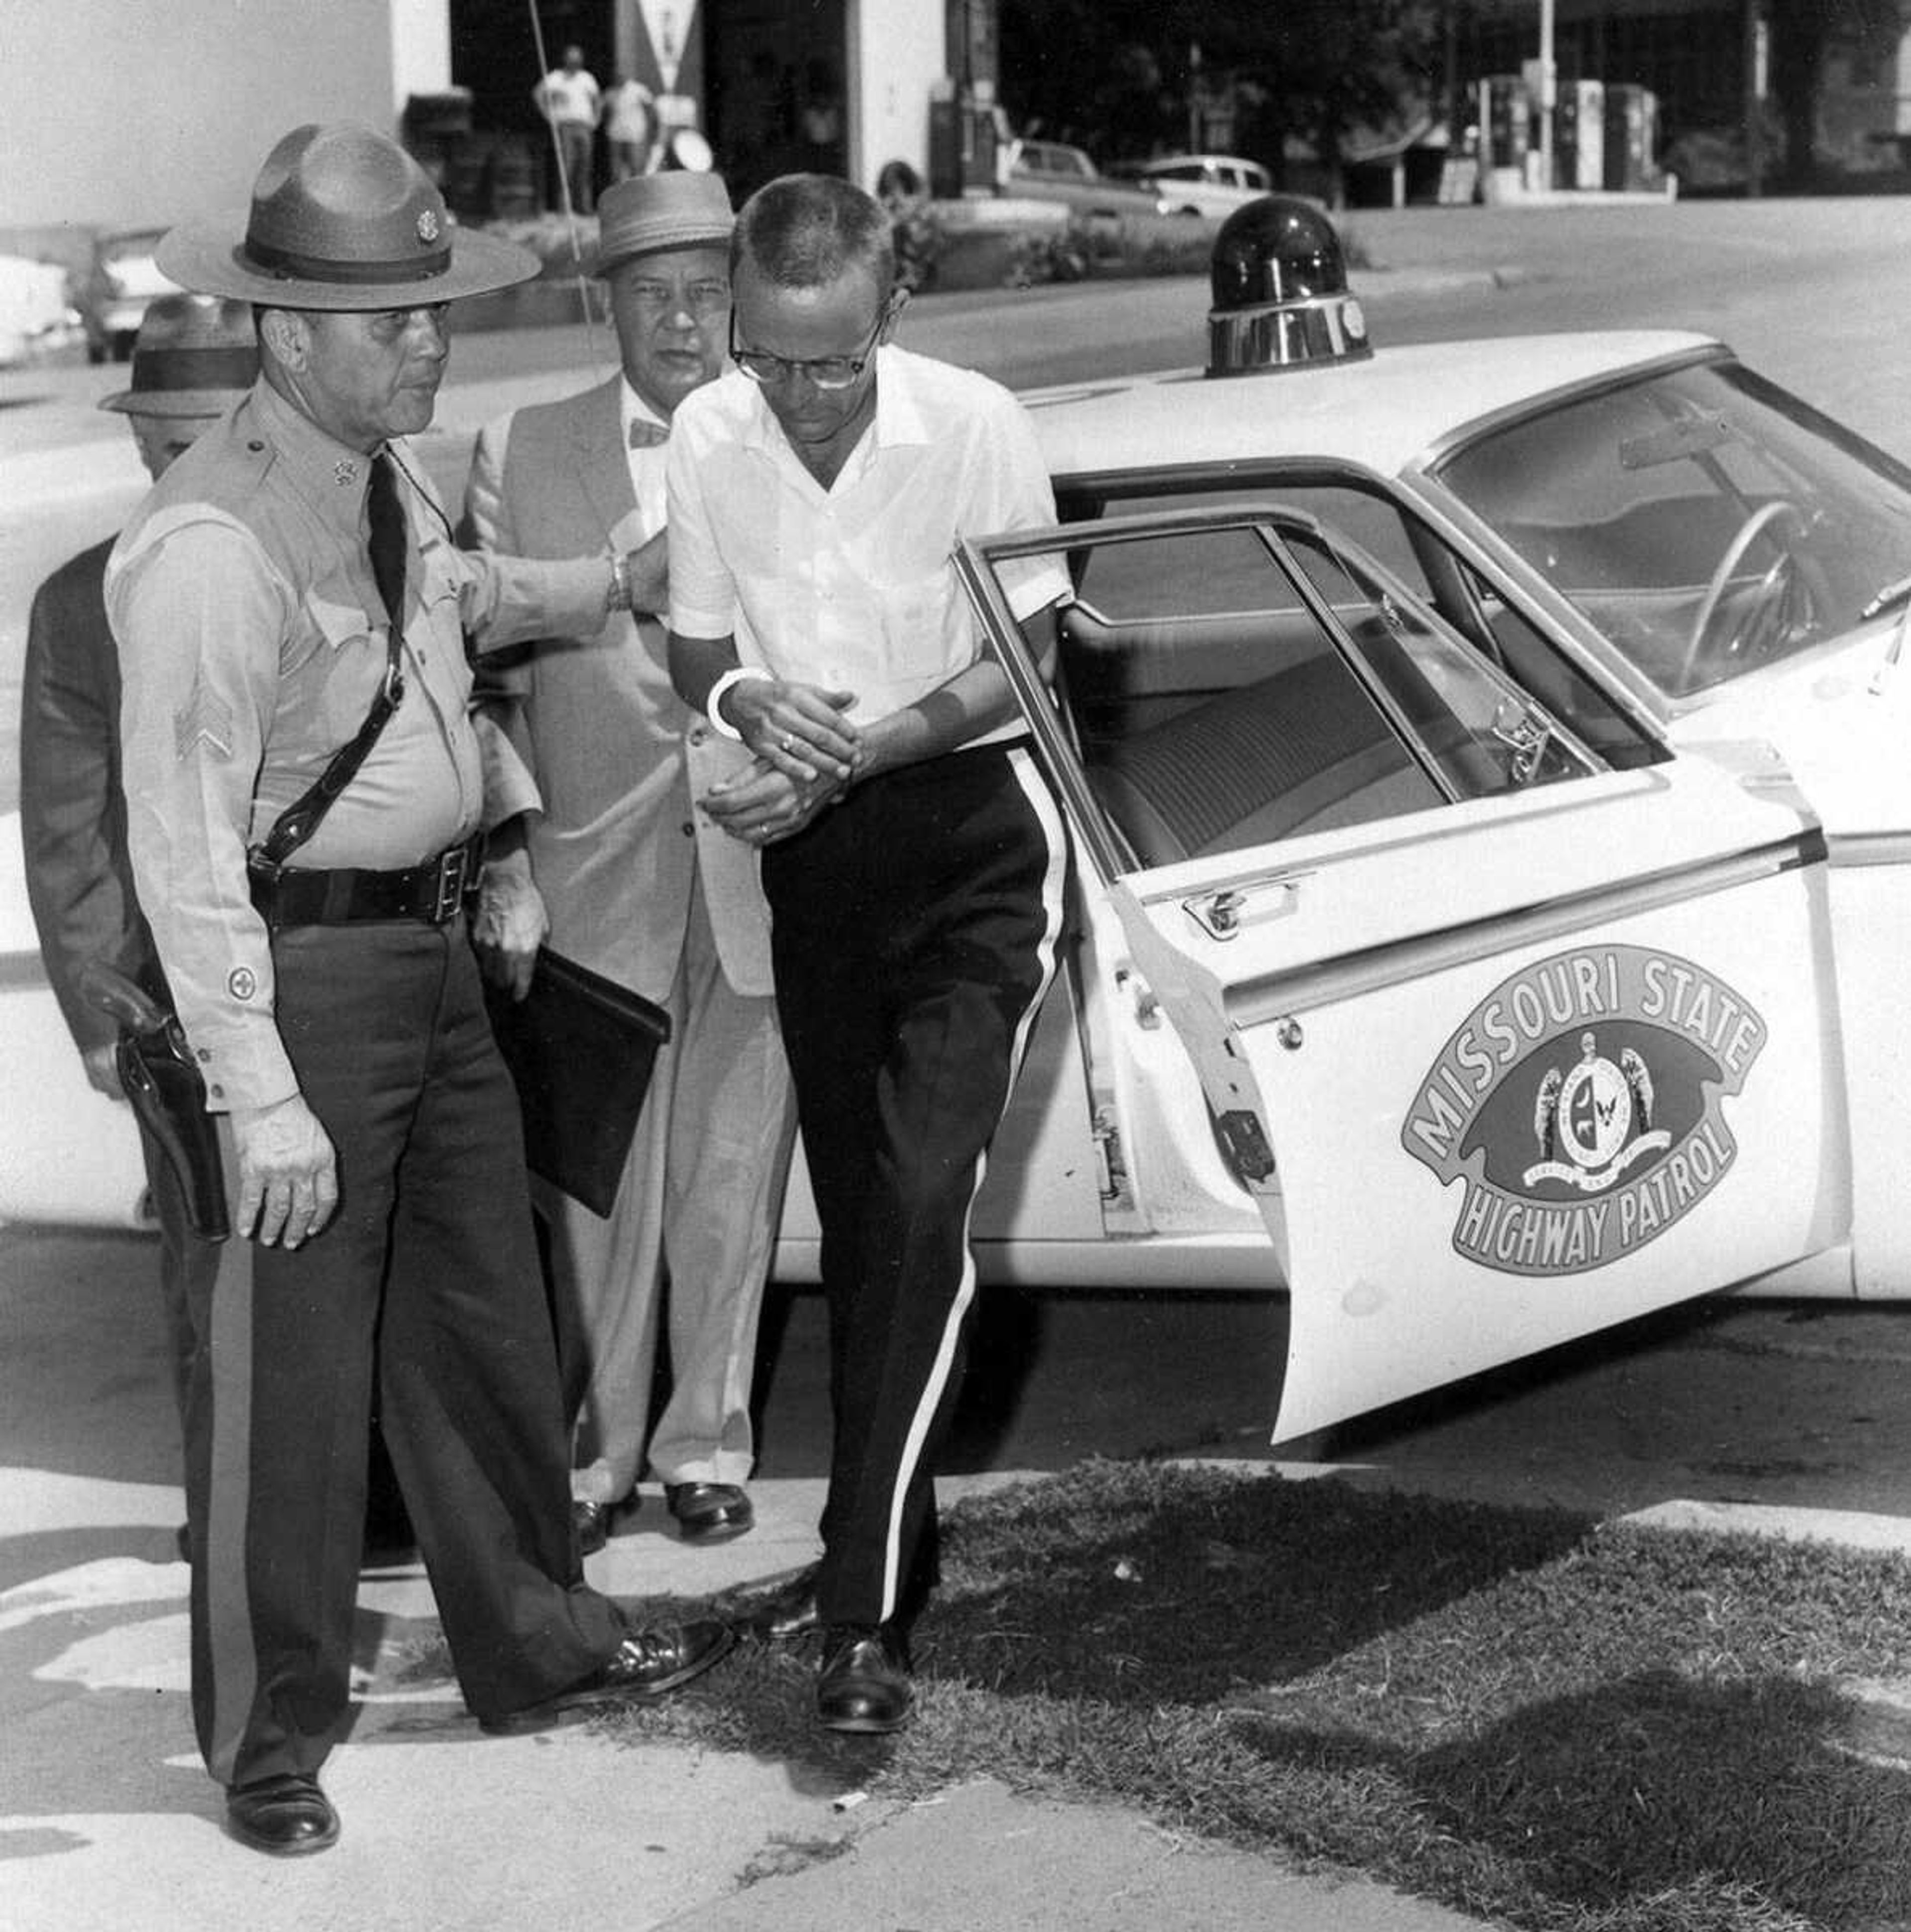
[651,212]
[342,218]
[195,355]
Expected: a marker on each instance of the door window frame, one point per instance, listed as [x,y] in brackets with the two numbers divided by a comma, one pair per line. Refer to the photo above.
[1107,848]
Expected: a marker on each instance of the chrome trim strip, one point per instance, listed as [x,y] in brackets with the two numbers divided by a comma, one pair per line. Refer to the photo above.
[1005,642]
[1856,849]
[1261,999]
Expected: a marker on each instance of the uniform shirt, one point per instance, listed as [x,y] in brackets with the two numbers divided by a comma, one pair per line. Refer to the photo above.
[852,588]
[252,640]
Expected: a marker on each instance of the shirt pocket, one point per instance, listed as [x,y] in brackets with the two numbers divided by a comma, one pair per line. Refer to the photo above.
[340,665]
[922,641]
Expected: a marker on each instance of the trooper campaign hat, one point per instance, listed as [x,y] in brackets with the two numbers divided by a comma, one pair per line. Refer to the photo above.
[342,218]
[195,355]
[650,213]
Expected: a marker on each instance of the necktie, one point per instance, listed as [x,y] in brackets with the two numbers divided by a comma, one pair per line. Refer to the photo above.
[390,542]
[645,434]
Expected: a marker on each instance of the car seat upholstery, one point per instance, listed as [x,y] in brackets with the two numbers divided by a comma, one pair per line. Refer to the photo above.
[1302,750]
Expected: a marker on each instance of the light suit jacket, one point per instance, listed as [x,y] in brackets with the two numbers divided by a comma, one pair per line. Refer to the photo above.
[615,756]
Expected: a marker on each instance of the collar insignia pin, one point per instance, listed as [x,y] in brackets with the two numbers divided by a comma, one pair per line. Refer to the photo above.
[344,471]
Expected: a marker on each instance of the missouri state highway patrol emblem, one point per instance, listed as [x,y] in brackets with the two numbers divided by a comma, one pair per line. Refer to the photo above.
[1578,1105]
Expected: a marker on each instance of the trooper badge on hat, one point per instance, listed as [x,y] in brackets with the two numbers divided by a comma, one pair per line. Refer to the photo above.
[342,218]
[195,355]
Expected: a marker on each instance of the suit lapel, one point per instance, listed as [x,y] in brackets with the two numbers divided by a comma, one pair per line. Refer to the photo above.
[602,467]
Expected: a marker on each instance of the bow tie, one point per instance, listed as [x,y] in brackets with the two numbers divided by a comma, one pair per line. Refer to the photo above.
[645,434]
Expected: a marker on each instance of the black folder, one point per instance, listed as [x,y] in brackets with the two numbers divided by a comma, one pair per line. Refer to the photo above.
[581,1048]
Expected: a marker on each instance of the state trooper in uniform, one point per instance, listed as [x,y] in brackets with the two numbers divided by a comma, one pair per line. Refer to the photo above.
[304,787]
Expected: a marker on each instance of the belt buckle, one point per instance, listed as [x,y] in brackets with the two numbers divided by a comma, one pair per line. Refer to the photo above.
[454,874]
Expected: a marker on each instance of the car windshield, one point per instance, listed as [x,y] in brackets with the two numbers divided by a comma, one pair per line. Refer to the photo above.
[1705,521]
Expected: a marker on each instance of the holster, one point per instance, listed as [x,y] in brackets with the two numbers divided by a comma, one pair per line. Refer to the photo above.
[167,1093]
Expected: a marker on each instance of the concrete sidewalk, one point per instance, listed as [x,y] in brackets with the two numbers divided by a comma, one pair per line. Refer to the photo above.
[107,1820]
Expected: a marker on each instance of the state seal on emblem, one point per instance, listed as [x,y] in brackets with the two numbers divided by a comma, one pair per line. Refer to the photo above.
[1593,1123]
[1578,1106]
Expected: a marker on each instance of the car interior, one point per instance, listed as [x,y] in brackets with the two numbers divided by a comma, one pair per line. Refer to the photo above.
[1227,687]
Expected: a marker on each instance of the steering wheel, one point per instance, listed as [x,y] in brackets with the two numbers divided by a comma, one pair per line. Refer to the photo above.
[1772,601]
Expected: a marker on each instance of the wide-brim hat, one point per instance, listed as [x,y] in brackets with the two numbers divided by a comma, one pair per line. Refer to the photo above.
[650,213]
[342,218]
[194,355]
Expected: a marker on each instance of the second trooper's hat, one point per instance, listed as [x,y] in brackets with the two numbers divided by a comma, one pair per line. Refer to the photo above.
[195,355]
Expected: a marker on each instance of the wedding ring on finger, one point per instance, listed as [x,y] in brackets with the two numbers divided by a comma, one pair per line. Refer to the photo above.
[786,744]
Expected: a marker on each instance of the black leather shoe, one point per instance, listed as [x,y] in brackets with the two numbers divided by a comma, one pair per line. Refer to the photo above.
[780,1614]
[864,1683]
[709,1512]
[593,1525]
[646,1665]
[285,1816]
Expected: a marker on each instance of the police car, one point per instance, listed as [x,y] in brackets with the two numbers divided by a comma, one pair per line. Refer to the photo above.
[1485,767]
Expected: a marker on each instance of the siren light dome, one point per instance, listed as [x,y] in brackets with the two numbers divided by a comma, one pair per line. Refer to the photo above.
[1278,274]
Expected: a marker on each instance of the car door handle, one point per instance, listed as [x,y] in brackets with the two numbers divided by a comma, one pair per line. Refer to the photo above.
[1225,914]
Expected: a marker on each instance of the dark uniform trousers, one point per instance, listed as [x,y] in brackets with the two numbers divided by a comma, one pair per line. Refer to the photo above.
[914,928]
[428,1275]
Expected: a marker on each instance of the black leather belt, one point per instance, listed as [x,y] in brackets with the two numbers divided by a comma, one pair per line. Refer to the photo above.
[436,892]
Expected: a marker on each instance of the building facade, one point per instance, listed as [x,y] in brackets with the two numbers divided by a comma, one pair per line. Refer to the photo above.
[114,115]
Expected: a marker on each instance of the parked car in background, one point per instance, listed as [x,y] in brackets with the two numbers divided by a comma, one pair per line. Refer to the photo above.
[35,316]
[121,279]
[1214,185]
[1053,171]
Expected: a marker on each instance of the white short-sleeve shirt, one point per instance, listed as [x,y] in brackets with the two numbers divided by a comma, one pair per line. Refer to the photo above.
[852,588]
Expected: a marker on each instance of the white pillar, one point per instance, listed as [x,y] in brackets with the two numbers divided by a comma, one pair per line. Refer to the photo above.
[420,49]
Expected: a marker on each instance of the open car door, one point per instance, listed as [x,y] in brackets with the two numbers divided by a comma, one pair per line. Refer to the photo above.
[1508,1038]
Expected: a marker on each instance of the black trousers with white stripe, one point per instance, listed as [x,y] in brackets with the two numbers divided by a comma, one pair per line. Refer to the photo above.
[914,928]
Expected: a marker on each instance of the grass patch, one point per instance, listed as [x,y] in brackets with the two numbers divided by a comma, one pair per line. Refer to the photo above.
[1526,1717]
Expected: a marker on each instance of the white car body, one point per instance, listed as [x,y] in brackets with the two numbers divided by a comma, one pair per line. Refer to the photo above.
[1210,184]
[1574,994]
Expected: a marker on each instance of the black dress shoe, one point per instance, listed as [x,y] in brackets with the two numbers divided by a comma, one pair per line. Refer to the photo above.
[646,1665]
[593,1525]
[709,1512]
[779,1614]
[287,1815]
[864,1683]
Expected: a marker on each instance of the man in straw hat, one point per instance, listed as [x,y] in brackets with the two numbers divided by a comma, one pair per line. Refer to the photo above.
[617,759]
[194,357]
[305,786]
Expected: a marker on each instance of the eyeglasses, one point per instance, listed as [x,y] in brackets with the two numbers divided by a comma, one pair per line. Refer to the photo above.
[821,372]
